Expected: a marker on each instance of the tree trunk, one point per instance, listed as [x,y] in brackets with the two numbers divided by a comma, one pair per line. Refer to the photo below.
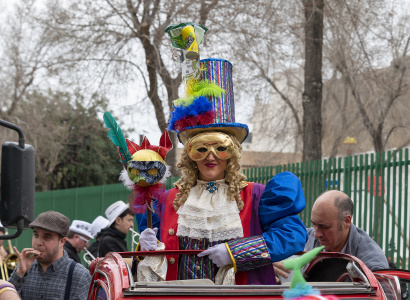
[312,96]
[172,158]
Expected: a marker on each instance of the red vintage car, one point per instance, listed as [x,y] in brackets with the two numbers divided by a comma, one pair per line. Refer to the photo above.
[338,274]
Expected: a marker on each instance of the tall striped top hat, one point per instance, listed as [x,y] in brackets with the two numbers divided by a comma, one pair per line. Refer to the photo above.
[209,105]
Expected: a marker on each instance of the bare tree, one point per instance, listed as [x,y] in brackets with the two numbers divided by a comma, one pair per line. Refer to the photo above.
[31,61]
[370,56]
[69,140]
[266,47]
[279,48]
[348,62]
[312,95]
[117,42]
[28,56]
[358,50]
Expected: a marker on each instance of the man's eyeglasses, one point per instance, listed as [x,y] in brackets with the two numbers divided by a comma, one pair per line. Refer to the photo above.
[84,239]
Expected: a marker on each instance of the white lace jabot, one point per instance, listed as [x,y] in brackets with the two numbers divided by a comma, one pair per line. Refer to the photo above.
[209,215]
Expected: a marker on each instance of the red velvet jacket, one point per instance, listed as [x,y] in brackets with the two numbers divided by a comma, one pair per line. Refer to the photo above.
[170,225]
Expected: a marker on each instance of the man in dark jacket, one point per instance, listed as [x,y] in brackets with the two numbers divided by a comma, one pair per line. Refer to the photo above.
[333,228]
[78,237]
[120,219]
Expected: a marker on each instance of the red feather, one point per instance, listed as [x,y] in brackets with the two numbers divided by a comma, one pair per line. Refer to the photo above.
[190,121]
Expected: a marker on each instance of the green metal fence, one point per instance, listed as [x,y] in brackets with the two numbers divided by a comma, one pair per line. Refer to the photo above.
[377,183]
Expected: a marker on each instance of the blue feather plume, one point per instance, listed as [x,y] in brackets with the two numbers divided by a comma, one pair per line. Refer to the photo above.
[199,106]
[117,137]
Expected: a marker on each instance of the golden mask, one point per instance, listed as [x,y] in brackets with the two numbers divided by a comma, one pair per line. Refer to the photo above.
[220,144]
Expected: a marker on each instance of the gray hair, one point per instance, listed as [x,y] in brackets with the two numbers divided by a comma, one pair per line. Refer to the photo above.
[344,207]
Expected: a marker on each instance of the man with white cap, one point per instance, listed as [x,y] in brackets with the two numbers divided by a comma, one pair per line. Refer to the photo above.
[78,237]
[97,225]
[120,219]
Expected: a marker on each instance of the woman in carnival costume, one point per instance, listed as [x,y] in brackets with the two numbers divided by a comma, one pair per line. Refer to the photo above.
[240,224]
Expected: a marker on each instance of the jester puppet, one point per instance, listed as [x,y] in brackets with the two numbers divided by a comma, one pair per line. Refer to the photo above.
[145,170]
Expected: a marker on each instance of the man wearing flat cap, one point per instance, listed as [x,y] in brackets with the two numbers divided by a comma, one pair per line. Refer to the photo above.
[45,271]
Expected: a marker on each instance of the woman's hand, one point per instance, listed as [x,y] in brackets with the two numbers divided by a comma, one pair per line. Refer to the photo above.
[26,259]
[148,239]
[218,254]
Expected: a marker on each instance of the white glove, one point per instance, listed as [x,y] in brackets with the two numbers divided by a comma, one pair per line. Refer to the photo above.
[148,239]
[218,254]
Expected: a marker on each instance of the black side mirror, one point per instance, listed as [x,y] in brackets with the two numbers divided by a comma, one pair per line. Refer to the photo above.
[17,183]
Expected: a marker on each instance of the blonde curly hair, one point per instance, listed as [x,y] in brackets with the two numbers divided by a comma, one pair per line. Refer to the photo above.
[190,173]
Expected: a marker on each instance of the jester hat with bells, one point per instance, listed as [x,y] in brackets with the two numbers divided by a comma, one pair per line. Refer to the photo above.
[145,170]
